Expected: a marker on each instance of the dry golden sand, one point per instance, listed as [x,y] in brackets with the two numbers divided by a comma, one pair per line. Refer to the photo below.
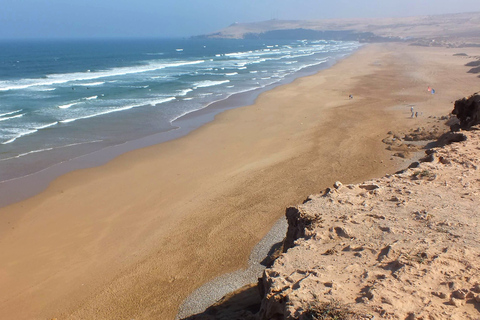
[132,238]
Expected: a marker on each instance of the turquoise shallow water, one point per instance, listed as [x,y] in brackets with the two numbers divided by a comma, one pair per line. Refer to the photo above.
[62,99]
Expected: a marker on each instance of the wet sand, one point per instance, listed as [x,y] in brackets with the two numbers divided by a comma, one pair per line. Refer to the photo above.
[134,237]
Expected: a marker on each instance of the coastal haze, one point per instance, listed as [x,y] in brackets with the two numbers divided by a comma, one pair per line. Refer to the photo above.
[191,148]
[145,18]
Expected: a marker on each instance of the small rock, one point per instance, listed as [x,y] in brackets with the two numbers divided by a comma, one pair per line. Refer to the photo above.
[413,165]
[444,160]
[428,158]
[369,187]
[343,232]
[477,298]
[457,302]
[441,295]
[411,316]
[460,294]
[385,229]
[452,285]
[337,184]
[476,288]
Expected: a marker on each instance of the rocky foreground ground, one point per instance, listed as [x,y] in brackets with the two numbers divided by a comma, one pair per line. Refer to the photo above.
[406,246]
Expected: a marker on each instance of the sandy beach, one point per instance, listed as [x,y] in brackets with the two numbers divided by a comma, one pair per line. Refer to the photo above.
[133,238]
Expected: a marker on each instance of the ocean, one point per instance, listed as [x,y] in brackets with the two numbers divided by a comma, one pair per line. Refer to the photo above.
[63,99]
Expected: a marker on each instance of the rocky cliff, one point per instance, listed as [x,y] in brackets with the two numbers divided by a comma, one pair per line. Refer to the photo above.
[406,246]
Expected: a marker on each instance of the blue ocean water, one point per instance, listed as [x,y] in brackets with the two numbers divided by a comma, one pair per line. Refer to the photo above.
[59,99]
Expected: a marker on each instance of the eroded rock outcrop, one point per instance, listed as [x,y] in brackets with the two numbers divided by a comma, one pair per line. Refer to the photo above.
[406,246]
[467,111]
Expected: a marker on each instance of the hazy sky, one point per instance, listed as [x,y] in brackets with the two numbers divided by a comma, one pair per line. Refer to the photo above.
[173,18]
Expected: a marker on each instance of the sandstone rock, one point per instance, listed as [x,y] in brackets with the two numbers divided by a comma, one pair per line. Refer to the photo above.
[460,294]
[441,295]
[476,288]
[457,302]
[477,298]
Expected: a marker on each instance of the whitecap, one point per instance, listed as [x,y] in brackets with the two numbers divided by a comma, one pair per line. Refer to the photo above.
[209,83]
[151,103]
[66,106]
[19,135]
[160,101]
[90,84]
[81,76]
[11,112]
[12,117]
[46,125]
[184,92]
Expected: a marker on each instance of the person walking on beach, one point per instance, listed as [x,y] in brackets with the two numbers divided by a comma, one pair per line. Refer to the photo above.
[411,110]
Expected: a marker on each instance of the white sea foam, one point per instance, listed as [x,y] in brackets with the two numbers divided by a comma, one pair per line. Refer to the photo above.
[184,92]
[187,99]
[209,83]
[68,105]
[159,101]
[91,98]
[81,76]
[127,107]
[12,117]
[48,149]
[90,84]
[24,133]
[47,125]
[11,112]
[45,89]
[231,74]
[26,153]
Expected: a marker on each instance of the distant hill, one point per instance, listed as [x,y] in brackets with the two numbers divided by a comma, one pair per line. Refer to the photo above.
[455,29]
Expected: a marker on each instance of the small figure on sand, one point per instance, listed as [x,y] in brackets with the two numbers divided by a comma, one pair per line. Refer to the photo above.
[433,91]
[416,114]
[350,96]
[411,110]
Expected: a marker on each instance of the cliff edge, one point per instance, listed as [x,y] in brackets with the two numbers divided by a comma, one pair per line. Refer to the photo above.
[406,246]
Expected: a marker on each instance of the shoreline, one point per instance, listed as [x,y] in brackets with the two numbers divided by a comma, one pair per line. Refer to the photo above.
[13,190]
[131,239]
